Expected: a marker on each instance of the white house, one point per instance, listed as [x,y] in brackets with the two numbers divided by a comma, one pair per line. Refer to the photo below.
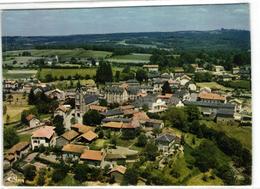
[151,67]
[44,136]
[33,121]
[158,106]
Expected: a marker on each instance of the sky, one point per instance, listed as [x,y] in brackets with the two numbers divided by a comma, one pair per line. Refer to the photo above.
[132,19]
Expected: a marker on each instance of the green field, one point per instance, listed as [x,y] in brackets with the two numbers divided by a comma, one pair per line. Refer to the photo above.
[130,58]
[18,74]
[57,72]
[243,84]
[63,53]
[243,134]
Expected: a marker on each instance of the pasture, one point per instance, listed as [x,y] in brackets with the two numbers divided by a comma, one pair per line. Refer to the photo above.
[243,134]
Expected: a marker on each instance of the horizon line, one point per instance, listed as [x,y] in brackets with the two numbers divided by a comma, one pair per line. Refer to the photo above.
[66,35]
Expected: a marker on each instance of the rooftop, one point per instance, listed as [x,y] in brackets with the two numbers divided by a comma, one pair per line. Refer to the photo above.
[70,135]
[74,148]
[18,147]
[120,168]
[92,155]
[45,132]
[211,96]
[90,135]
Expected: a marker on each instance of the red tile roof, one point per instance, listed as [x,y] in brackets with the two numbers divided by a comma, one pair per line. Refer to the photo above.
[30,117]
[45,132]
[211,96]
[18,147]
[90,135]
[92,155]
[74,148]
[121,169]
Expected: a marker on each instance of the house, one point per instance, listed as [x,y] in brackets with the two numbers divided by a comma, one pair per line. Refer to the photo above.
[238,104]
[133,92]
[57,94]
[98,108]
[33,121]
[66,138]
[113,125]
[117,173]
[218,69]
[10,85]
[80,128]
[44,136]
[17,151]
[199,70]
[93,157]
[157,85]
[73,151]
[184,79]
[182,94]
[87,137]
[226,77]
[62,110]
[154,123]
[158,106]
[209,109]
[211,97]
[192,87]
[116,112]
[225,115]
[167,142]
[151,67]
[235,70]
[115,95]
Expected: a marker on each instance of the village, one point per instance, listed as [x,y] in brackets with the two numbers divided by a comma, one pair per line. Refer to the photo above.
[109,128]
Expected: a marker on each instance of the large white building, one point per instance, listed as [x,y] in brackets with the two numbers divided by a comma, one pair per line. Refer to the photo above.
[44,136]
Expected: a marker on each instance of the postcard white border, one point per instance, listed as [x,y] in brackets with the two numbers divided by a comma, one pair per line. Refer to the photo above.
[255,49]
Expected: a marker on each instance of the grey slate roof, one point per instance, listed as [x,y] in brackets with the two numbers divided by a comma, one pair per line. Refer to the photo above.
[90,99]
[114,90]
[147,100]
[225,112]
[211,105]
[167,138]
[112,112]
[133,90]
[117,119]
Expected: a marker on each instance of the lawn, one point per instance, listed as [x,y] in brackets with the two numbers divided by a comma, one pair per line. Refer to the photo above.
[198,180]
[243,134]
[243,84]
[212,85]
[68,181]
[15,108]
[25,137]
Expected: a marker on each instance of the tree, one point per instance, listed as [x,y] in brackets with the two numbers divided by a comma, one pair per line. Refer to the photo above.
[104,72]
[60,172]
[166,88]
[40,179]
[177,117]
[151,151]
[193,112]
[10,137]
[48,78]
[29,172]
[117,76]
[58,124]
[81,172]
[10,98]
[141,140]
[131,176]
[141,75]
[4,109]
[182,139]
[92,117]
[103,102]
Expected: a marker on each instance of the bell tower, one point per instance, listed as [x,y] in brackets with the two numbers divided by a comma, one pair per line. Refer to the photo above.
[79,104]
